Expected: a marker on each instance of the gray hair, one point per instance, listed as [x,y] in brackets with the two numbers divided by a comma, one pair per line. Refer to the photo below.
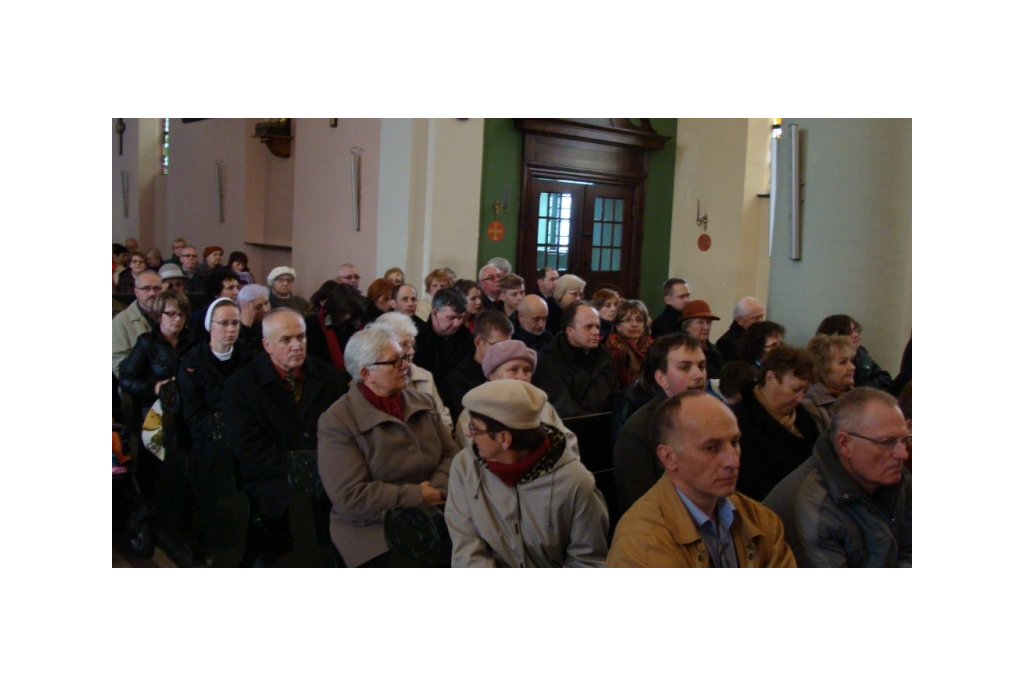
[365,347]
[568,282]
[276,313]
[848,409]
[396,323]
[743,306]
[251,293]
[501,264]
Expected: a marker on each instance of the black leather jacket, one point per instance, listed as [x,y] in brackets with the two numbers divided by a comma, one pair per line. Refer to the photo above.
[152,359]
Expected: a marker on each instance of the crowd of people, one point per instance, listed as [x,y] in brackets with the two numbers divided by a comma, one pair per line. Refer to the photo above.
[745,451]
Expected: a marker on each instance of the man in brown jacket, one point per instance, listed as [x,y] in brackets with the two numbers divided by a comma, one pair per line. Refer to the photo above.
[693,516]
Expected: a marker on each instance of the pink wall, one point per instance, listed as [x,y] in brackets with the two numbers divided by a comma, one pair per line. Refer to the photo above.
[324,236]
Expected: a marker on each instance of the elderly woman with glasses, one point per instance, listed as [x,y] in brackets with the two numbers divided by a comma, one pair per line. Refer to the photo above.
[382,445]
[568,289]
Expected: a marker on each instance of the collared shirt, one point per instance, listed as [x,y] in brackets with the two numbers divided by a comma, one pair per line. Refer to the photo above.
[717,539]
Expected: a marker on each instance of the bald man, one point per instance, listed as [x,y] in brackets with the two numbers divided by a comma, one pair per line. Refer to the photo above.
[693,517]
[532,322]
[271,408]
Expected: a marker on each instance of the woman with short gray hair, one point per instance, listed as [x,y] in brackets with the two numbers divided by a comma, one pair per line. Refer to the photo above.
[568,289]
[380,446]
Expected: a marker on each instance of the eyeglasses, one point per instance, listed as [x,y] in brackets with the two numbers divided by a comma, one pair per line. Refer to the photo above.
[633,319]
[175,315]
[887,443]
[491,278]
[472,432]
[186,255]
[396,362]
[233,323]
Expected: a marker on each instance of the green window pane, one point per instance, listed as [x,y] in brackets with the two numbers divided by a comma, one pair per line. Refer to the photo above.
[617,236]
[615,260]
[595,259]
[597,234]
[619,204]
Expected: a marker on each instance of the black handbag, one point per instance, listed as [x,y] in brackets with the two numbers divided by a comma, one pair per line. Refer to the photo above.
[418,537]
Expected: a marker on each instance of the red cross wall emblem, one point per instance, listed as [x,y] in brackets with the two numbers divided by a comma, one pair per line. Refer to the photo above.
[495,231]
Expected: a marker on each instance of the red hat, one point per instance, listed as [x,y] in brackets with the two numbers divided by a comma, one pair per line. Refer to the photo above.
[211,249]
[697,309]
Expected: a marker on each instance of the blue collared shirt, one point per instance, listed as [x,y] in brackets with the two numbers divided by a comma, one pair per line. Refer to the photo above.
[717,539]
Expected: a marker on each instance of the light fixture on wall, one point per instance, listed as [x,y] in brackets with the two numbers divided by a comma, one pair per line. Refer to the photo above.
[276,134]
[703,240]
[501,207]
[119,130]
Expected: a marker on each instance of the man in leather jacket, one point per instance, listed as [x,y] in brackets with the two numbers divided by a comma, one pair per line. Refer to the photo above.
[849,504]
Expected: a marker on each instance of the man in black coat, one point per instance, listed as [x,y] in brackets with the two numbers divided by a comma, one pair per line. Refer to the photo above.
[271,407]
[677,294]
[532,329]
[443,342]
[747,311]
[577,372]
[491,327]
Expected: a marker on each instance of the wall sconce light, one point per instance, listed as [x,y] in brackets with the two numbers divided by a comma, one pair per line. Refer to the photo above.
[703,240]
[119,130]
[501,207]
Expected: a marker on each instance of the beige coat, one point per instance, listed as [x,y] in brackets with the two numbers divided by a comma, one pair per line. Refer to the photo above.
[128,326]
[370,462]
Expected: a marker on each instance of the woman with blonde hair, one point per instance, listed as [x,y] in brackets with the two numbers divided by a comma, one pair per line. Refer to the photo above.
[435,280]
[833,375]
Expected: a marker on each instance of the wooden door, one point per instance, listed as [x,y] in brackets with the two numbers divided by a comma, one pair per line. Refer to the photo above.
[582,228]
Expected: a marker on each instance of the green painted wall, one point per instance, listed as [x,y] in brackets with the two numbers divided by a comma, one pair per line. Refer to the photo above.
[661,170]
[502,163]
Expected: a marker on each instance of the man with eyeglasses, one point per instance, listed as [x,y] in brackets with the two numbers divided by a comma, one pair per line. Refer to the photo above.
[693,517]
[850,503]
[348,273]
[137,318]
[271,408]
[489,280]
[491,327]
[189,257]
